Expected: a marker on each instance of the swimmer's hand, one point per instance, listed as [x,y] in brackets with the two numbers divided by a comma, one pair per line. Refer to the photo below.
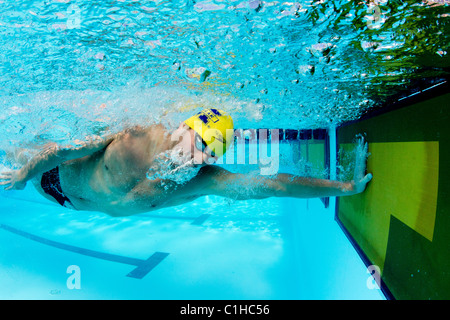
[360,178]
[12,180]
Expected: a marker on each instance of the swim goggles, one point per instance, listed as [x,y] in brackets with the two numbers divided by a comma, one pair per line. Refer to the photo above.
[202,146]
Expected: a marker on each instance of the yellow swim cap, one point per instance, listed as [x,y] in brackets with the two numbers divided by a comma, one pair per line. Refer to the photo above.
[212,125]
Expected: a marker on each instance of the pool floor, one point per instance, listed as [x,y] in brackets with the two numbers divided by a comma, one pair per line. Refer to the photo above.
[296,252]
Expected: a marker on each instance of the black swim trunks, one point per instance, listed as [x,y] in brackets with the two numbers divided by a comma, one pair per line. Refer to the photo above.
[52,186]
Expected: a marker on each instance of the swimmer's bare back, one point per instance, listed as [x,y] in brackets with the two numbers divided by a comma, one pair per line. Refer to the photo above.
[112,178]
[109,175]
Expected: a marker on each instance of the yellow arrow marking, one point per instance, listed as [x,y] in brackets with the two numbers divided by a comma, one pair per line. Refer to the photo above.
[405,185]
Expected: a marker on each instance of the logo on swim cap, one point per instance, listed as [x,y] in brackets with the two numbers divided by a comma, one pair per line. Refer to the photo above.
[206,116]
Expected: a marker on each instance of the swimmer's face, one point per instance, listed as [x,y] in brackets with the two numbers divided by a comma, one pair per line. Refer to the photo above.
[194,146]
[202,153]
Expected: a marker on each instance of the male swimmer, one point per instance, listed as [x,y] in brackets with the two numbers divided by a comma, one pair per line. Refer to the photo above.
[144,169]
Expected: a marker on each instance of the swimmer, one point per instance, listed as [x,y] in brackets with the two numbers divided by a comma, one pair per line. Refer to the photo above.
[144,169]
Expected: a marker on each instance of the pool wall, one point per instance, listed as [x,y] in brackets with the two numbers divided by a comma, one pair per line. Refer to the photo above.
[400,224]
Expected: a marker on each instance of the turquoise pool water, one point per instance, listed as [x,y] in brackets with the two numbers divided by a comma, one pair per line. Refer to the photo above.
[73,69]
[279,253]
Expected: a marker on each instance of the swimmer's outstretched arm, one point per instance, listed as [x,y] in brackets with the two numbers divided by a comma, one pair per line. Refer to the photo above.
[49,159]
[243,187]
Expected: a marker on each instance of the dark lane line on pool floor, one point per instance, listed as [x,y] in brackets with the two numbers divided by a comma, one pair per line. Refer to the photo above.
[143,267]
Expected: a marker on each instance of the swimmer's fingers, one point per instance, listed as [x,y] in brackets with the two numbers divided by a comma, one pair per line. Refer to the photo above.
[13,185]
[7,184]
[6,175]
[362,145]
[11,181]
[366,148]
[362,154]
